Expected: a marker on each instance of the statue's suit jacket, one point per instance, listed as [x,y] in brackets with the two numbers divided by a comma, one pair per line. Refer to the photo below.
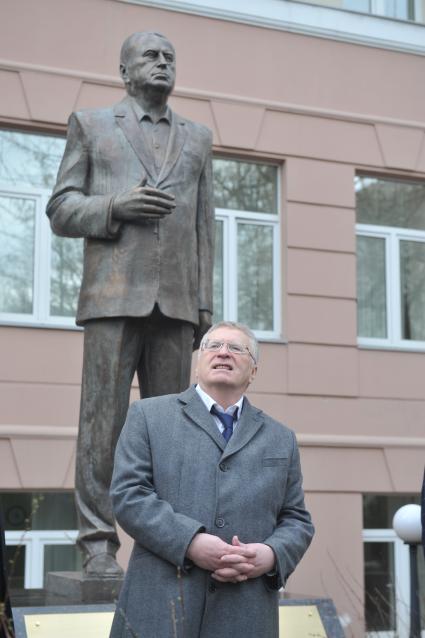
[129,267]
[173,477]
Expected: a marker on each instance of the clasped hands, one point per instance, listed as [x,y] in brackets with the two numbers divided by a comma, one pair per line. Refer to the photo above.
[233,563]
[142,202]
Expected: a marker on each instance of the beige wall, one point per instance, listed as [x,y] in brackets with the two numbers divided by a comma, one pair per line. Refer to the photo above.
[322,109]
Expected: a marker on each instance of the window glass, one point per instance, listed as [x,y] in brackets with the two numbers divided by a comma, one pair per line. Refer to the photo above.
[371,284]
[379,509]
[15,560]
[245,186]
[386,565]
[17,232]
[38,510]
[28,160]
[66,274]
[29,283]
[61,558]
[380,603]
[400,9]
[391,261]
[386,202]
[412,289]
[245,284]
[218,272]
[255,276]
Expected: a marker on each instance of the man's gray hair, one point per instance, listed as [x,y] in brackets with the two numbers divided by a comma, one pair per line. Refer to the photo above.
[253,343]
[133,39]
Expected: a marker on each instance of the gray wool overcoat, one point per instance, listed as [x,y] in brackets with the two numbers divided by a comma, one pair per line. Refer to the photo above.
[129,267]
[173,477]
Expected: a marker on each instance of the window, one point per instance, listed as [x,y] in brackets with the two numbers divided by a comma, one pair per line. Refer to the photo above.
[399,9]
[40,536]
[386,569]
[246,277]
[390,262]
[40,273]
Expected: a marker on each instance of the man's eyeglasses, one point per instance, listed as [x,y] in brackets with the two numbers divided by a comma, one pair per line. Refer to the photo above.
[234,348]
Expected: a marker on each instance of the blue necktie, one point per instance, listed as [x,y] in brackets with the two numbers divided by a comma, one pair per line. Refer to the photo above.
[227,421]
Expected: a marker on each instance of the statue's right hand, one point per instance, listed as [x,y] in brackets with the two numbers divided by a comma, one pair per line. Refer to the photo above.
[142,202]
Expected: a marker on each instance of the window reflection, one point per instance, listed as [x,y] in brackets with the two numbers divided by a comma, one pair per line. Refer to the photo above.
[255,276]
[388,202]
[412,289]
[66,274]
[371,302]
[17,232]
[29,285]
[380,604]
[245,186]
[28,160]
[218,272]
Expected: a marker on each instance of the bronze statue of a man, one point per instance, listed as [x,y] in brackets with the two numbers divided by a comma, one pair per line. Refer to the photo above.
[135,181]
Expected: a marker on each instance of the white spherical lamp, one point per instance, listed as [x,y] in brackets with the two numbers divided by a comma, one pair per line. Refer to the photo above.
[407,523]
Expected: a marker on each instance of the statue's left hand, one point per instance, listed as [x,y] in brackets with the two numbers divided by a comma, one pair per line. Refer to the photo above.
[205,323]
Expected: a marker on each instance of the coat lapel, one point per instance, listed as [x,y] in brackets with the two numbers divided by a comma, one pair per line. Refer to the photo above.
[174,147]
[127,121]
[250,422]
[196,411]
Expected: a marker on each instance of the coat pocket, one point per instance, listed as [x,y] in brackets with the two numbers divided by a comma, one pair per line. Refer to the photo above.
[270,461]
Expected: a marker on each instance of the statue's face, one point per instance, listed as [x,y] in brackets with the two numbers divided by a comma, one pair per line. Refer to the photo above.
[151,66]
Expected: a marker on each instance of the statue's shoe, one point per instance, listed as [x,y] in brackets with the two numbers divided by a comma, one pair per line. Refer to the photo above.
[102,566]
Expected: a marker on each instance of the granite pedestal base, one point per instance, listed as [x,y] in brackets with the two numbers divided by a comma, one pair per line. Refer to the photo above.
[73,588]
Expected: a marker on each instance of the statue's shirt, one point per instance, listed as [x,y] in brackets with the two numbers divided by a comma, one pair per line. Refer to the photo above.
[156,133]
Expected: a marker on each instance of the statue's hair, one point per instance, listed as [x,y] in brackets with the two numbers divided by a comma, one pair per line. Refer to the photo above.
[253,343]
[132,39]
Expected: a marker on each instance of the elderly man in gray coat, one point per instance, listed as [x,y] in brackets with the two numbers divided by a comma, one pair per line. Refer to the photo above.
[210,488]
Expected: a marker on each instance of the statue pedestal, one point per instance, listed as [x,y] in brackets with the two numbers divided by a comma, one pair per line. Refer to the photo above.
[303,617]
[299,617]
[73,588]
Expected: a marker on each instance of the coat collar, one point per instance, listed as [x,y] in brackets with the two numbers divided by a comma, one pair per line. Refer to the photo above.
[250,422]
[127,121]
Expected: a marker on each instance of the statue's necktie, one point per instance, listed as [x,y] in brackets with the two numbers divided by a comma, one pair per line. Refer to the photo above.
[227,421]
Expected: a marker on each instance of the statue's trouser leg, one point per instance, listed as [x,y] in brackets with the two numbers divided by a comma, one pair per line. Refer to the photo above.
[166,357]
[113,350]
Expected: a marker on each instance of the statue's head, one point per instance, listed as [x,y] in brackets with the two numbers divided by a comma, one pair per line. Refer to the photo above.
[148,64]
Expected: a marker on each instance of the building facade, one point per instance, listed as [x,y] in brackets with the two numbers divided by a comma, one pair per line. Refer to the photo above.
[318,120]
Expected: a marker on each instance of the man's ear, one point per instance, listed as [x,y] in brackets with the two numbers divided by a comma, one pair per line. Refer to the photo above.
[253,373]
[123,73]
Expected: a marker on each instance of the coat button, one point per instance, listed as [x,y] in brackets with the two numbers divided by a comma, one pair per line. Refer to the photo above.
[223,467]
[219,522]
[212,588]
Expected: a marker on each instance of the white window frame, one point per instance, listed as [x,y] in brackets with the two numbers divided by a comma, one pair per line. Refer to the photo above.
[392,237]
[402,581]
[40,316]
[230,219]
[35,543]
